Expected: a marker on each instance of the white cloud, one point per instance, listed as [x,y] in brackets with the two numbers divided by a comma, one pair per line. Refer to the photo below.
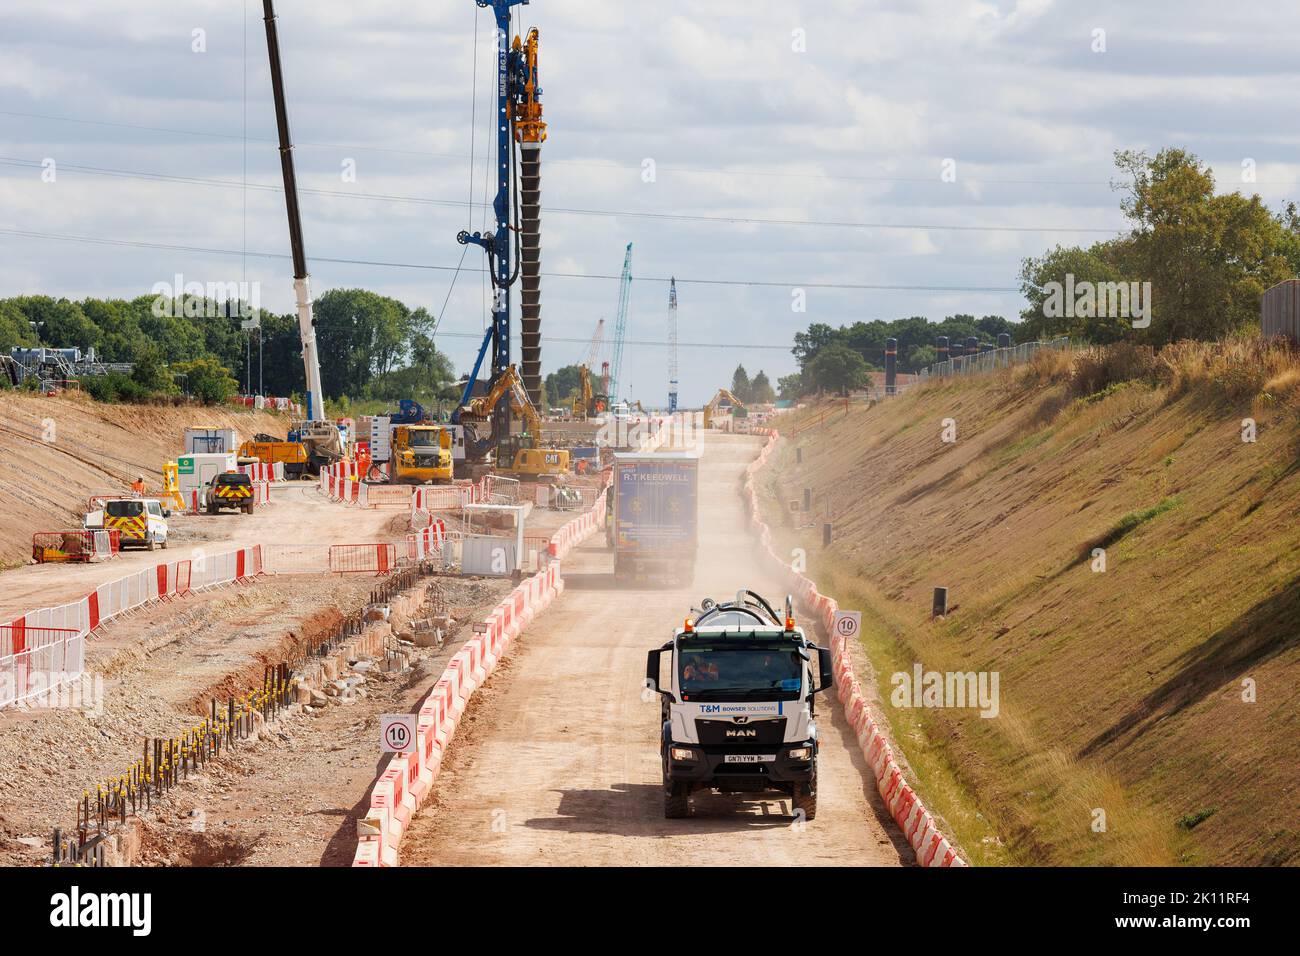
[852,130]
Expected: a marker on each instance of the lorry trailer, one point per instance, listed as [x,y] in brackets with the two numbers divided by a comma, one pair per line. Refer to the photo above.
[737,710]
[653,512]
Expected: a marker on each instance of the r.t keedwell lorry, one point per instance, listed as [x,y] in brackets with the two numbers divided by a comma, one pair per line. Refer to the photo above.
[653,516]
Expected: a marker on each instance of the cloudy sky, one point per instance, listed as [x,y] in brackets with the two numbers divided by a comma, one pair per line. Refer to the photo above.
[795,145]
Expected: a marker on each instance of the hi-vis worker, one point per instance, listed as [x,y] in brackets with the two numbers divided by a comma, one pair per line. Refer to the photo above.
[137,486]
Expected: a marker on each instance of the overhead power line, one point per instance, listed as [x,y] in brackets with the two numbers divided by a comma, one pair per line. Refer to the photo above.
[563,210]
[600,164]
[380,263]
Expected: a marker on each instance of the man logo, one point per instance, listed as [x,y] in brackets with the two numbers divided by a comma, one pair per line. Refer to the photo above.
[740,720]
[743,732]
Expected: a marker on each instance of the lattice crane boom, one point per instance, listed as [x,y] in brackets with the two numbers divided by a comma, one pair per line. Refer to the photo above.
[620,325]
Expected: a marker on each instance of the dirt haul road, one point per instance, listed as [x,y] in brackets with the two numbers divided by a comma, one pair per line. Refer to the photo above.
[299,515]
[557,760]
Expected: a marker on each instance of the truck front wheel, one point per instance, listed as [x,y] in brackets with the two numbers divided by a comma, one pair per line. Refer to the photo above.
[677,801]
[804,800]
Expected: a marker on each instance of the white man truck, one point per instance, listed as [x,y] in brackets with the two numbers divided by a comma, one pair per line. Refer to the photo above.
[737,704]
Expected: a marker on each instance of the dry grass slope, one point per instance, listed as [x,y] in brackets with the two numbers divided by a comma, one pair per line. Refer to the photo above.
[48,473]
[1122,690]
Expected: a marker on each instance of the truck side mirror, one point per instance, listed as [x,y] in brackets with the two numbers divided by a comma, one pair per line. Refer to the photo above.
[825,669]
[652,672]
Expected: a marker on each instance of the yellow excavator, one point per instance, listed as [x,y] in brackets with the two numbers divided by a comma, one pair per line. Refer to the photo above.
[587,404]
[724,402]
[518,455]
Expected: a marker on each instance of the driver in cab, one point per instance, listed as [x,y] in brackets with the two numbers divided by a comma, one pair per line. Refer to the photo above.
[699,669]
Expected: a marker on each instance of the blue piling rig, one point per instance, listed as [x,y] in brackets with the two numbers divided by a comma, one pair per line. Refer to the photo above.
[515,87]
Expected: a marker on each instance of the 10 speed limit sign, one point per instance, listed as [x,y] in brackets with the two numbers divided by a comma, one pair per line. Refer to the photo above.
[396,733]
[846,624]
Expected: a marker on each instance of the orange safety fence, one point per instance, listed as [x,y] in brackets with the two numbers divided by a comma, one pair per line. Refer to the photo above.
[362,558]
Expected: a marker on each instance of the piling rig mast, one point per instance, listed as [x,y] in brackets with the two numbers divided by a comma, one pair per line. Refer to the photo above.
[519,118]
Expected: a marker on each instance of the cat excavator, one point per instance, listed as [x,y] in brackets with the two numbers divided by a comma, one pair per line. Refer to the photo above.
[521,455]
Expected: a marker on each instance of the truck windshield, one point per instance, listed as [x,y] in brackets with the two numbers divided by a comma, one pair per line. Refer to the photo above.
[424,439]
[124,509]
[732,670]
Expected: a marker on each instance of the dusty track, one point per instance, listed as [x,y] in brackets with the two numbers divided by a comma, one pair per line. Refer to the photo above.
[557,760]
[299,515]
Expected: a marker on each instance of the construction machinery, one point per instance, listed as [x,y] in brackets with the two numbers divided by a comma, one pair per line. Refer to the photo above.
[620,326]
[321,441]
[722,403]
[271,450]
[519,102]
[311,432]
[737,711]
[518,455]
[406,446]
[171,496]
[588,403]
[421,454]
[672,345]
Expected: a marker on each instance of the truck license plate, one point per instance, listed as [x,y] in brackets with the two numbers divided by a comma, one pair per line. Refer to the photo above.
[748,758]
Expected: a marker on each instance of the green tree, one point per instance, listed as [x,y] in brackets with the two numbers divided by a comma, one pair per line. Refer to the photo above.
[791,386]
[921,357]
[1207,258]
[563,384]
[808,344]
[15,329]
[838,368]
[740,384]
[760,390]
[150,373]
[208,381]
[362,335]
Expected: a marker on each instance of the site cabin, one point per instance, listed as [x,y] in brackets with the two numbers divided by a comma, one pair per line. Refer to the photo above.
[737,705]
[652,520]
[209,440]
[195,472]
[139,521]
[231,489]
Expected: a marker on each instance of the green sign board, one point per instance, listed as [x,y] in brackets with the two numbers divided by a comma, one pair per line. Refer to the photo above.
[186,464]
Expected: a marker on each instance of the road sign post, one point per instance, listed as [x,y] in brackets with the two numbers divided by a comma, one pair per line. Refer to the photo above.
[846,625]
[396,733]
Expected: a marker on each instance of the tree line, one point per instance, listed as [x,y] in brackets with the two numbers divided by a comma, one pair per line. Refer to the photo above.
[1192,264]
[371,347]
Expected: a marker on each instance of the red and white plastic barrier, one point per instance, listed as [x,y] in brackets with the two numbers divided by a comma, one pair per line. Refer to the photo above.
[264,471]
[268,403]
[427,542]
[932,847]
[162,582]
[408,779]
[405,784]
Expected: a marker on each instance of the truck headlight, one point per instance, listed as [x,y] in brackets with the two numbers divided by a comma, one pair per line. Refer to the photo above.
[682,753]
[801,753]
